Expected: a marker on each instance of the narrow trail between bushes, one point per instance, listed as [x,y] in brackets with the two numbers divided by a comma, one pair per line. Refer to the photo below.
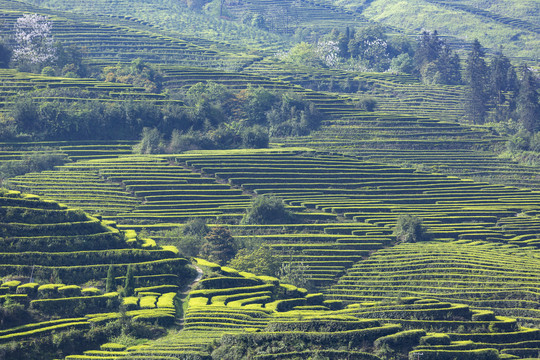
[185,292]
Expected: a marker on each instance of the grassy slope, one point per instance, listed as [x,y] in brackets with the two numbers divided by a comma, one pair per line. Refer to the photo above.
[414,15]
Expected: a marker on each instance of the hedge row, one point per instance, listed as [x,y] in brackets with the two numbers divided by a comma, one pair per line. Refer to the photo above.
[76,305]
[352,337]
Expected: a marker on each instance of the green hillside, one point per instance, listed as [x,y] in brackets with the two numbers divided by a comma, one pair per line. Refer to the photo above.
[54,264]
[231,180]
[512,24]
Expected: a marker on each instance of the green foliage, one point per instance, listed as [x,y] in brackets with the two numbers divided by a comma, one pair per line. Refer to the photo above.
[366,103]
[255,137]
[31,163]
[129,285]
[303,54]
[5,55]
[86,120]
[402,341]
[189,238]
[219,246]
[528,105]
[262,261]
[435,61]
[295,274]
[47,71]
[409,228]
[110,284]
[267,209]
[476,73]
[13,314]
[151,142]
[138,73]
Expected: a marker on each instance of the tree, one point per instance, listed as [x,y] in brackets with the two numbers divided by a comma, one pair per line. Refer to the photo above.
[219,246]
[34,42]
[476,78]
[499,74]
[110,282]
[370,45]
[151,142]
[528,108]
[196,227]
[129,285]
[435,61]
[296,275]
[261,261]
[255,137]
[448,67]
[267,209]
[410,229]
[5,56]
[429,47]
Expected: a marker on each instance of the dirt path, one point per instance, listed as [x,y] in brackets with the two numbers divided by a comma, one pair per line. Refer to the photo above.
[185,292]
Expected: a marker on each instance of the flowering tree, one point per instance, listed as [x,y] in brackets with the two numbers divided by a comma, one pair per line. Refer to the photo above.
[34,44]
[328,52]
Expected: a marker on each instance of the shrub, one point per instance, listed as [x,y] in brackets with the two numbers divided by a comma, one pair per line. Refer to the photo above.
[219,246]
[410,229]
[255,137]
[366,103]
[401,340]
[70,291]
[262,261]
[151,142]
[267,209]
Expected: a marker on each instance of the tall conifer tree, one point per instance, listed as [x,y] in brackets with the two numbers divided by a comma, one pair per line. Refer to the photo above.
[528,108]
[476,73]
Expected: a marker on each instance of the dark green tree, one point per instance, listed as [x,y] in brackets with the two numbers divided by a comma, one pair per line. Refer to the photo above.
[410,229]
[261,261]
[476,76]
[499,73]
[429,47]
[110,283]
[129,285]
[528,108]
[267,209]
[219,246]
[151,142]
[435,61]
[5,56]
[448,67]
[257,102]
[196,227]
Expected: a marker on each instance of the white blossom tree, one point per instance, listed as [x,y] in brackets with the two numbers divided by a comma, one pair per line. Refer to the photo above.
[34,43]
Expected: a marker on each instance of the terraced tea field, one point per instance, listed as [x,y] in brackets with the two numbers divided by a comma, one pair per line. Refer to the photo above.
[109,41]
[244,308]
[83,261]
[50,255]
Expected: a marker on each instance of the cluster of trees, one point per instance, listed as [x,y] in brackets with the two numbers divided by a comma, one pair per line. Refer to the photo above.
[220,119]
[33,162]
[218,244]
[496,92]
[409,228]
[33,48]
[138,73]
[213,118]
[371,49]
[87,119]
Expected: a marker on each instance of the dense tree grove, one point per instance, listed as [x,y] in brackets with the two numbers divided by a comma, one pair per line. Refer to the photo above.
[497,93]
[210,117]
